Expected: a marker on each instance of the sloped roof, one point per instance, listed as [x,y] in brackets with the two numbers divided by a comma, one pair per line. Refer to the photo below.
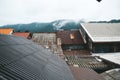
[21,59]
[113,74]
[112,57]
[85,74]
[103,32]
[5,30]
[65,37]
[22,34]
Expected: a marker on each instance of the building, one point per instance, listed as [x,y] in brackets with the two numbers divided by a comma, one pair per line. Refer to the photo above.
[101,37]
[48,41]
[7,31]
[85,74]
[23,34]
[70,39]
[113,74]
[110,57]
[21,59]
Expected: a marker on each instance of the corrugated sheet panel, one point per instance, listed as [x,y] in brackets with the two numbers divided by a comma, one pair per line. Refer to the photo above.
[21,59]
[66,39]
[103,32]
[77,52]
[85,74]
[22,34]
[6,31]
[86,61]
[112,57]
[113,74]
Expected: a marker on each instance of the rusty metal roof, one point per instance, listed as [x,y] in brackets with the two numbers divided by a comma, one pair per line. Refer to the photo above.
[85,74]
[77,52]
[22,34]
[70,37]
[103,32]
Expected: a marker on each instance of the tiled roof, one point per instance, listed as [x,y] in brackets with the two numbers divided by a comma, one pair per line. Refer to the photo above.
[70,37]
[6,31]
[22,34]
[21,59]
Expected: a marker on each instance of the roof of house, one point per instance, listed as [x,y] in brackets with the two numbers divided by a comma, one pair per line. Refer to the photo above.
[76,52]
[85,74]
[112,57]
[86,61]
[22,34]
[6,30]
[103,32]
[113,74]
[44,38]
[21,59]
[66,37]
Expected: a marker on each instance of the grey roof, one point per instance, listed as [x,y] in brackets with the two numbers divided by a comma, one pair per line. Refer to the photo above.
[21,59]
[112,57]
[103,32]
[113,74]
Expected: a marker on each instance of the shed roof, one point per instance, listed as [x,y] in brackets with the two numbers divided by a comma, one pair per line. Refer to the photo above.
[6,31]
[112,57]
[65,37]
[22,34]
[103,32]
[113,74]
[85,74]
[21,59]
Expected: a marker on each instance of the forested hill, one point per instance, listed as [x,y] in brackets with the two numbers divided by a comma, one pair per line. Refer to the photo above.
[111,21]
[45,27]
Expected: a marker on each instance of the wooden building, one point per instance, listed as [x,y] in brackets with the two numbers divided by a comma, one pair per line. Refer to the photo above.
[49,41]
[101,37]
[70,39]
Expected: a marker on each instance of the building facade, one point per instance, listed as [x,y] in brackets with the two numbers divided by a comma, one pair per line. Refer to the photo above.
[101,37]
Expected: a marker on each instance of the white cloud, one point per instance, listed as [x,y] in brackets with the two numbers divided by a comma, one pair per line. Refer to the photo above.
[26,11]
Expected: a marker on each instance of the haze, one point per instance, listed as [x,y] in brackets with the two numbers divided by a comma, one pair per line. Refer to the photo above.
[27,11]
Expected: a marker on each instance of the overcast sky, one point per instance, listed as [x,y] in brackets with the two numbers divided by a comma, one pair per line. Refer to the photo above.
[27,11]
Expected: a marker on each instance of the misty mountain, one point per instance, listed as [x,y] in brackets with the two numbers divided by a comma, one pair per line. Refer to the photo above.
[111,21]
[45,27]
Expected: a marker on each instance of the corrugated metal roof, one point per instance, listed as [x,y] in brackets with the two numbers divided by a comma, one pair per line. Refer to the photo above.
[21,59]
[22,34]
[113,74]
[70,37]
[6,31]
[86,61]
[103,32]
[85,74]
[112,57]
[77,52]
[44,38]
[48,41]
